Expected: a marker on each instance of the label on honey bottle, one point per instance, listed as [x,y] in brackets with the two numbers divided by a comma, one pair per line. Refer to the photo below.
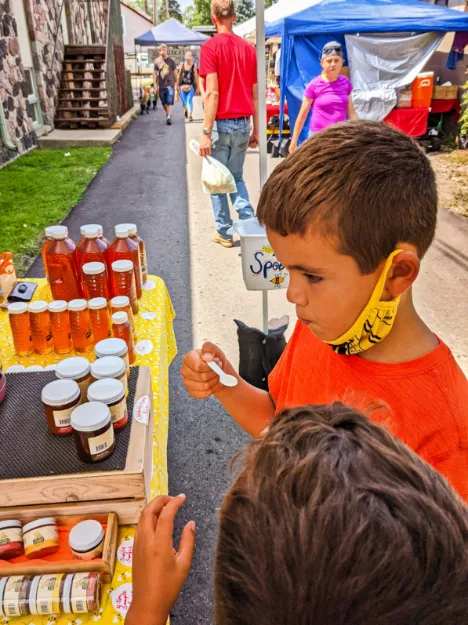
[62,418]
[100,444]
[14,598]
[119,411]
[48,594]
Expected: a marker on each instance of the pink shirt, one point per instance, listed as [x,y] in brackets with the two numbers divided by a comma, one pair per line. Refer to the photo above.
[330,101]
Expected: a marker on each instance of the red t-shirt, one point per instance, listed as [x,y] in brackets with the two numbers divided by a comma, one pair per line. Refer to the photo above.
[426,399]
[235,62]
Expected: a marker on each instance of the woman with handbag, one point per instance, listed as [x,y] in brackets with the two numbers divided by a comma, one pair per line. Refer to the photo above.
[188,84]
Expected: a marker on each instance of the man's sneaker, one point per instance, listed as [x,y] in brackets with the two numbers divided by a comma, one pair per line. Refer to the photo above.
[168,121]
[222,241]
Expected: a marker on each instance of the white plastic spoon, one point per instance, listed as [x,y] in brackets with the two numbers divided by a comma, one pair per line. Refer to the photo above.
[224,378]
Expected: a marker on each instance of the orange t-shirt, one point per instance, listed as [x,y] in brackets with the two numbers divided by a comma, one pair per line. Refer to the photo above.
[426,400]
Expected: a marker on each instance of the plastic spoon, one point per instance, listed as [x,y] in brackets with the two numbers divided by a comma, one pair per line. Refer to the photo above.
[224,378]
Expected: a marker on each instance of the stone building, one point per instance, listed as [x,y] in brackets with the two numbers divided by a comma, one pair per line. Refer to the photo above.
[42,43]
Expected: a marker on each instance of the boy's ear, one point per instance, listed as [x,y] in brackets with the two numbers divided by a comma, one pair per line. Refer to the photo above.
[402,274]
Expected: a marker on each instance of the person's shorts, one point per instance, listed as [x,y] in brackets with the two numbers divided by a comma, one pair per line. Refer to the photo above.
[167,96]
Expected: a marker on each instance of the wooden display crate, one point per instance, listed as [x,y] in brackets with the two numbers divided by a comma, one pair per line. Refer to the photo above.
[445,93]
[104,565]
[95,492]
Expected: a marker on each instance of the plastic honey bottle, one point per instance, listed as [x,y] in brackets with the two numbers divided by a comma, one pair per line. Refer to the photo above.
[124,248]
[133,234]
[80,324]
[121,329]
[41,330]
[62,266]
[91,249]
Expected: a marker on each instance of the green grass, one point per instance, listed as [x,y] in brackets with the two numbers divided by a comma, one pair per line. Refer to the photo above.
[38,190]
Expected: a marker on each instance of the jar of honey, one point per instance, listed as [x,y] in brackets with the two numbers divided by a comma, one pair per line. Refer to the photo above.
[60,398]
[64,277]
[124,248]
[100,319]
[80,324]
[11,539]
[112,347]
[81,593]
[41,538]
[20,328]
[123,282]
[87,231]
[44,594]
[60,324]
[78,369]
[133,234]
[121,303]
[93,431]
[14,592]
[95,280]
[41,330]
[121,329]
[112,393]
[49,236]
[110,367]
[86,540]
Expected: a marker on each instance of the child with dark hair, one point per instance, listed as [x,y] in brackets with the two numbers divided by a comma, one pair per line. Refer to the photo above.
[331,521]
[350,215]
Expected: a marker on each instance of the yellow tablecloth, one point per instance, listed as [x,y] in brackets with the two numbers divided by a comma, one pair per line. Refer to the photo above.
[156,347]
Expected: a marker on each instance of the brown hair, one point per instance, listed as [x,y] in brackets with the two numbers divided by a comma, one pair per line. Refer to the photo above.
[223,9]
[364,183]
[333,521]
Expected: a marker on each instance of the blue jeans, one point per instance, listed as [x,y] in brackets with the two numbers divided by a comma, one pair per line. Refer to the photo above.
[230,141]
[187,99]
[167,96]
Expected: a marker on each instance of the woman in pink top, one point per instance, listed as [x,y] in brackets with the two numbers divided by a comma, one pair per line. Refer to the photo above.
[328,95]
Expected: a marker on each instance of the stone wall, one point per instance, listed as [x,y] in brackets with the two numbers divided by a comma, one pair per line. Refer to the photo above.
[87,21]
[14,87]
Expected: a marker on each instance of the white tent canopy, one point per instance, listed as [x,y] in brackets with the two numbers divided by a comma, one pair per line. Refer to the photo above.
[281,9]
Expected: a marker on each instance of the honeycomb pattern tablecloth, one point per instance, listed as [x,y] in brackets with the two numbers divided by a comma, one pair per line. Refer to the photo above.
[156,347]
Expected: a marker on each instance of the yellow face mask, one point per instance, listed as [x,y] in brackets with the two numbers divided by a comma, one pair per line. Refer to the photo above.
[375,321]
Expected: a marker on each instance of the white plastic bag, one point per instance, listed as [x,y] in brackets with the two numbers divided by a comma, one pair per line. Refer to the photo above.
[216,177]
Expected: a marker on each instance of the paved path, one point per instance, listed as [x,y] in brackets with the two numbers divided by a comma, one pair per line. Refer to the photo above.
[152,180]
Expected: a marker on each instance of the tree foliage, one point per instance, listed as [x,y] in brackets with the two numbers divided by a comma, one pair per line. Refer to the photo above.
[189,16]
[174,11]
[202,13]
[245,10]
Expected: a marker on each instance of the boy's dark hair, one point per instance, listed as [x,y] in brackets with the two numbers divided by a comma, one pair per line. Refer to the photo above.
[366,184]
[333,521]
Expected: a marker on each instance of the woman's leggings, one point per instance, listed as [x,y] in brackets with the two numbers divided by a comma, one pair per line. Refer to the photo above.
[187,99]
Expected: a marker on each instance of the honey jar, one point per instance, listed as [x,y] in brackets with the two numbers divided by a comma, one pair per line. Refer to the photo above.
[76,368]
[80,324]
[100,318]
[11,539]
[41,330]
[93,431]
[60,323]
[41,538]
[122,303]
[81,593]
[60,398]
[110,367]
[87,540]
[14,593]
[112,393]
[20,328]
[112,347]
[45,593]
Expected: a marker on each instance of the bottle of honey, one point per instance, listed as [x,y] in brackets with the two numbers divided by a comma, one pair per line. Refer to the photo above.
[124,248]
[133,234]
[121,303]
[121,329]
[95,280]
[91,249]
[80,324]
[20,328]
[60,323]
[123,282]
[84,229]
[41,330]
[62,266]
[100,319]
[49,231]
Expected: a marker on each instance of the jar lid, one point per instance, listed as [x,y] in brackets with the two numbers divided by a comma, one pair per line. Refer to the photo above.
[77,305]
[72,368]
[120,266]
[132,228]
[16,369]
[60,233]
[97,303]
[120,317]
[13,523]
[38,307]
[106,391]
[18,308]
[50,368]
[59,305]
[39,523]
[111,347]
[86,535]
[90,231]
[93,269]
[90,417]
[60,392]
[108,367]
[121,231]
[121,301]
[50,230]
[34,368]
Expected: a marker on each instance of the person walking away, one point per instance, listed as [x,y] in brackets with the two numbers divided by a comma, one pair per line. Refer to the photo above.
[328,95]
[188,84]
[165,78]
[228,66]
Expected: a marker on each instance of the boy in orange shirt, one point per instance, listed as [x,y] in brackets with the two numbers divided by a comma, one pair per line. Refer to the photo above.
[350,215]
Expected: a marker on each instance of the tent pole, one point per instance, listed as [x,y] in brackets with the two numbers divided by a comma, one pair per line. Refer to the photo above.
[261,76]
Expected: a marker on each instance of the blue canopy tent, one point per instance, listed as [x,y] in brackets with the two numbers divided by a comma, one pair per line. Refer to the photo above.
[172,33]
[305,33]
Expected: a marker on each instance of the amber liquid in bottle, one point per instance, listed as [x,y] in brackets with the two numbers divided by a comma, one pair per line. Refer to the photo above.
[92,251]
[127,249]
[21,331]
[142,249]
[100,324]
[63,271]
[124,331]
[41,332]
[123,283]
[61,332]
[45,245]
[131,318]
[81,330]
[96,285]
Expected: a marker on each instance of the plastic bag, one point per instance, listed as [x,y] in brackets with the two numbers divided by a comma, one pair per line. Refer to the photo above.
[216,177]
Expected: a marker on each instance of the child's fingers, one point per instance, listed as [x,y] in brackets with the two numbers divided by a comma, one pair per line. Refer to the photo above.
[151,512]
[165,526]
[193,362]
[210,351]
[187,547]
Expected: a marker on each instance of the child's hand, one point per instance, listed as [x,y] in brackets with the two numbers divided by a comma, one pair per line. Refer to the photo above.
[159,572]
[200,381]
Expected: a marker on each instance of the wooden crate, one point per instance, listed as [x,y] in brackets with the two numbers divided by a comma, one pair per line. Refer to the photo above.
[445,93]
[95,492]
[104,565]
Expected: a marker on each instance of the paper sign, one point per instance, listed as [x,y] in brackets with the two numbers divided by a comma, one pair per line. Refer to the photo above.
[122,598]
[125,552]
[149,316]
[141,410]
[149,285]
[144,347]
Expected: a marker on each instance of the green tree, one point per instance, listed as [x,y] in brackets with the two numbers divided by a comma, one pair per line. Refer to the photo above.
[174,11]
[202,16]
[269,3]
[245,10]
[189,16]
[143,5]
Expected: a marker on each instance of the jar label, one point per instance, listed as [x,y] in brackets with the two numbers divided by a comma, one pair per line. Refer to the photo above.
[119,411]
[62,418]
[14,595]
[48,594]
[124,381]
[80,592]
[41,538]
[101,443]
[84,385]
[11,535]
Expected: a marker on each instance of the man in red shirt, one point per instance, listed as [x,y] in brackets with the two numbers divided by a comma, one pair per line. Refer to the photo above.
[228,66]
